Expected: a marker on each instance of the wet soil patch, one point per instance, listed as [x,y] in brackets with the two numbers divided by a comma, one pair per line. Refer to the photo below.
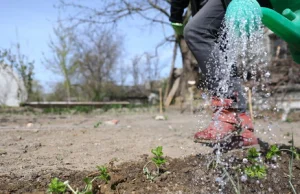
[179,175]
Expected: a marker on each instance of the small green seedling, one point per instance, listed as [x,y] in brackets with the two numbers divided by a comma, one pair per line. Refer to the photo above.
[103,174]
[158,156]
[296,155]
[158,160]
[256,171]
[253,154]
[274,151]
[148,174]
[88,189]
[56,186]
[97,124]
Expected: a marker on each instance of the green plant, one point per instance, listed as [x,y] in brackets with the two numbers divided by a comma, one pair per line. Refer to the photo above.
[149,175]
[97,124]
[256,171]
[88,185]
[56,186]
[274,151]
[103,174]
[288,120]
[253,154]
[291,164]
[83,109]
[236,187]
[158,158]
[294,152]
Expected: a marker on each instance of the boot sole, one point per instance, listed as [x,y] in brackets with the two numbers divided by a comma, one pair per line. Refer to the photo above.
[224,139]
[225,145]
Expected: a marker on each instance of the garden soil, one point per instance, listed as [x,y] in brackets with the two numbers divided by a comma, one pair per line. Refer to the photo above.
[37,147]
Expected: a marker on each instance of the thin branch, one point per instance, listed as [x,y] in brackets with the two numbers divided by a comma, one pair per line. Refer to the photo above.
[155,6]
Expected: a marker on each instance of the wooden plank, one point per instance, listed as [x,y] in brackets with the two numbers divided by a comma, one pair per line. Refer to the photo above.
[172,92]
[71,104]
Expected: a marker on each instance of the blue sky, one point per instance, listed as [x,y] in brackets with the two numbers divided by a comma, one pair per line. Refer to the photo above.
[30,23]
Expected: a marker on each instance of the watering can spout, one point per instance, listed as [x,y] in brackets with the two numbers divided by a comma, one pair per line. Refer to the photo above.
[286,26]
[283,19]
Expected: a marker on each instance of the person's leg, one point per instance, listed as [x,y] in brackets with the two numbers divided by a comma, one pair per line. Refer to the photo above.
[201,34]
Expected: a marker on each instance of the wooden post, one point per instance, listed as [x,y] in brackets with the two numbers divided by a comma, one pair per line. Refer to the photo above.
[160,101]
[170,79]
[172,92]
[250,103]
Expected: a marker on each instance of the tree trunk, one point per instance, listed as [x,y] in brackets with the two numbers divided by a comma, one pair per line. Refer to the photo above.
[190,71]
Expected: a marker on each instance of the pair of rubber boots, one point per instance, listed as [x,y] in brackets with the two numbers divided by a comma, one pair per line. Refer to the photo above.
[228,125]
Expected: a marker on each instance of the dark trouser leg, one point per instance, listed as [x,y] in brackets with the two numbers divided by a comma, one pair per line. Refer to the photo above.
[201,34]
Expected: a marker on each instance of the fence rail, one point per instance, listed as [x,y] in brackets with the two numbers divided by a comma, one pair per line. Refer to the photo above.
[71,104]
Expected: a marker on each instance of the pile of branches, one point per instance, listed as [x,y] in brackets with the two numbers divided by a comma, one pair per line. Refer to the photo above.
[285,75]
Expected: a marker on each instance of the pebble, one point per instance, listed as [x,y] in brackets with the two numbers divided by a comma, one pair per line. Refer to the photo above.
[270,189]
[3,152]
[160,117]
[261,185]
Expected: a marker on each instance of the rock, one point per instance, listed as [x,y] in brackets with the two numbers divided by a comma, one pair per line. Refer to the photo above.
[37,145]
[186,169]
[112,122]
[29,125]
[3,152]
[160,117]
[164,177]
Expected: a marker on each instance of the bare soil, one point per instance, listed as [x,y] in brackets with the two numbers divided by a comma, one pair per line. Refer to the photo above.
[37,147]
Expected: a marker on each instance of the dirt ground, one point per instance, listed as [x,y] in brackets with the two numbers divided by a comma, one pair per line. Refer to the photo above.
[35,145]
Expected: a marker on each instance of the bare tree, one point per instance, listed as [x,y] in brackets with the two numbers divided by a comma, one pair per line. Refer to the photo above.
[136,70]
[122,75]
[152,68]
[62,48]
[152,11]
[97,56]
[145,68]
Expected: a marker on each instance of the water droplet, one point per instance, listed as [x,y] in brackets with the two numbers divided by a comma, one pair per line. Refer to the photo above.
[218,179]
[267,74]
[244,178]
[267,95]
[245,160]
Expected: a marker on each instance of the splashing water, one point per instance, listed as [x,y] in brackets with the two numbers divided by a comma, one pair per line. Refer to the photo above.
[240,48]
[238,53]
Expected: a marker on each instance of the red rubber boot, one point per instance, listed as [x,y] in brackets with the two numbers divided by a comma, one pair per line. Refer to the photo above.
[246,138]
[247,134]
[224,123]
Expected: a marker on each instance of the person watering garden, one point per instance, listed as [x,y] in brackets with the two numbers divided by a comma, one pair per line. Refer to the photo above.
[201,33]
